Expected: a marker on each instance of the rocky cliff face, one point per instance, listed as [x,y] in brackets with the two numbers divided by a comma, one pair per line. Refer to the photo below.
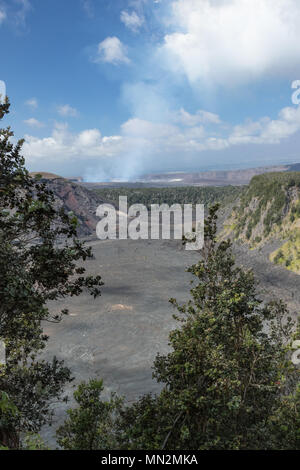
[270,210]
[77,199]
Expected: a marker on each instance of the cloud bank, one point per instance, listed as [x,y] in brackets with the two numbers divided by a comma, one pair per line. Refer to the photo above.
[228,41]
[123,156]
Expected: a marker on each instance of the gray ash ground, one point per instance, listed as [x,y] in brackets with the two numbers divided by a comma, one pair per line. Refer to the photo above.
[117,336]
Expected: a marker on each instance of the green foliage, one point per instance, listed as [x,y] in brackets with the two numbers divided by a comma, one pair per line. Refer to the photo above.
[288,254]
[279,256]
[40,259]
[6,405]
[7,411]
[284,425]
[33,442]
[227,382]
[91,425]
[172,195]
[271,193]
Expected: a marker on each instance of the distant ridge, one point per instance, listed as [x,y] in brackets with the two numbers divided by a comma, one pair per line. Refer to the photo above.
[201,178]
[46,175]
[52,176]
[216,177]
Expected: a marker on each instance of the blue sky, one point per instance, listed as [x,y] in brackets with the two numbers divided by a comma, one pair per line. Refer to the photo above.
[113,89]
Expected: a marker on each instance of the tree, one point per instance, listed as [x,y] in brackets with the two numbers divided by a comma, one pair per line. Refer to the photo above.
[6,407]
[91,425]
[227,382]
[40,257]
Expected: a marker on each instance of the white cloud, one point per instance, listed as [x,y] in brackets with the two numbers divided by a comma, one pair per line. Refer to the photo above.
[67,111]
[2,15]
[132,20]
[64,144]
[32,122]
[266,130]
[141,142]
[89,138]
[203,117]
[113,51]
[32,103]
[229,41]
